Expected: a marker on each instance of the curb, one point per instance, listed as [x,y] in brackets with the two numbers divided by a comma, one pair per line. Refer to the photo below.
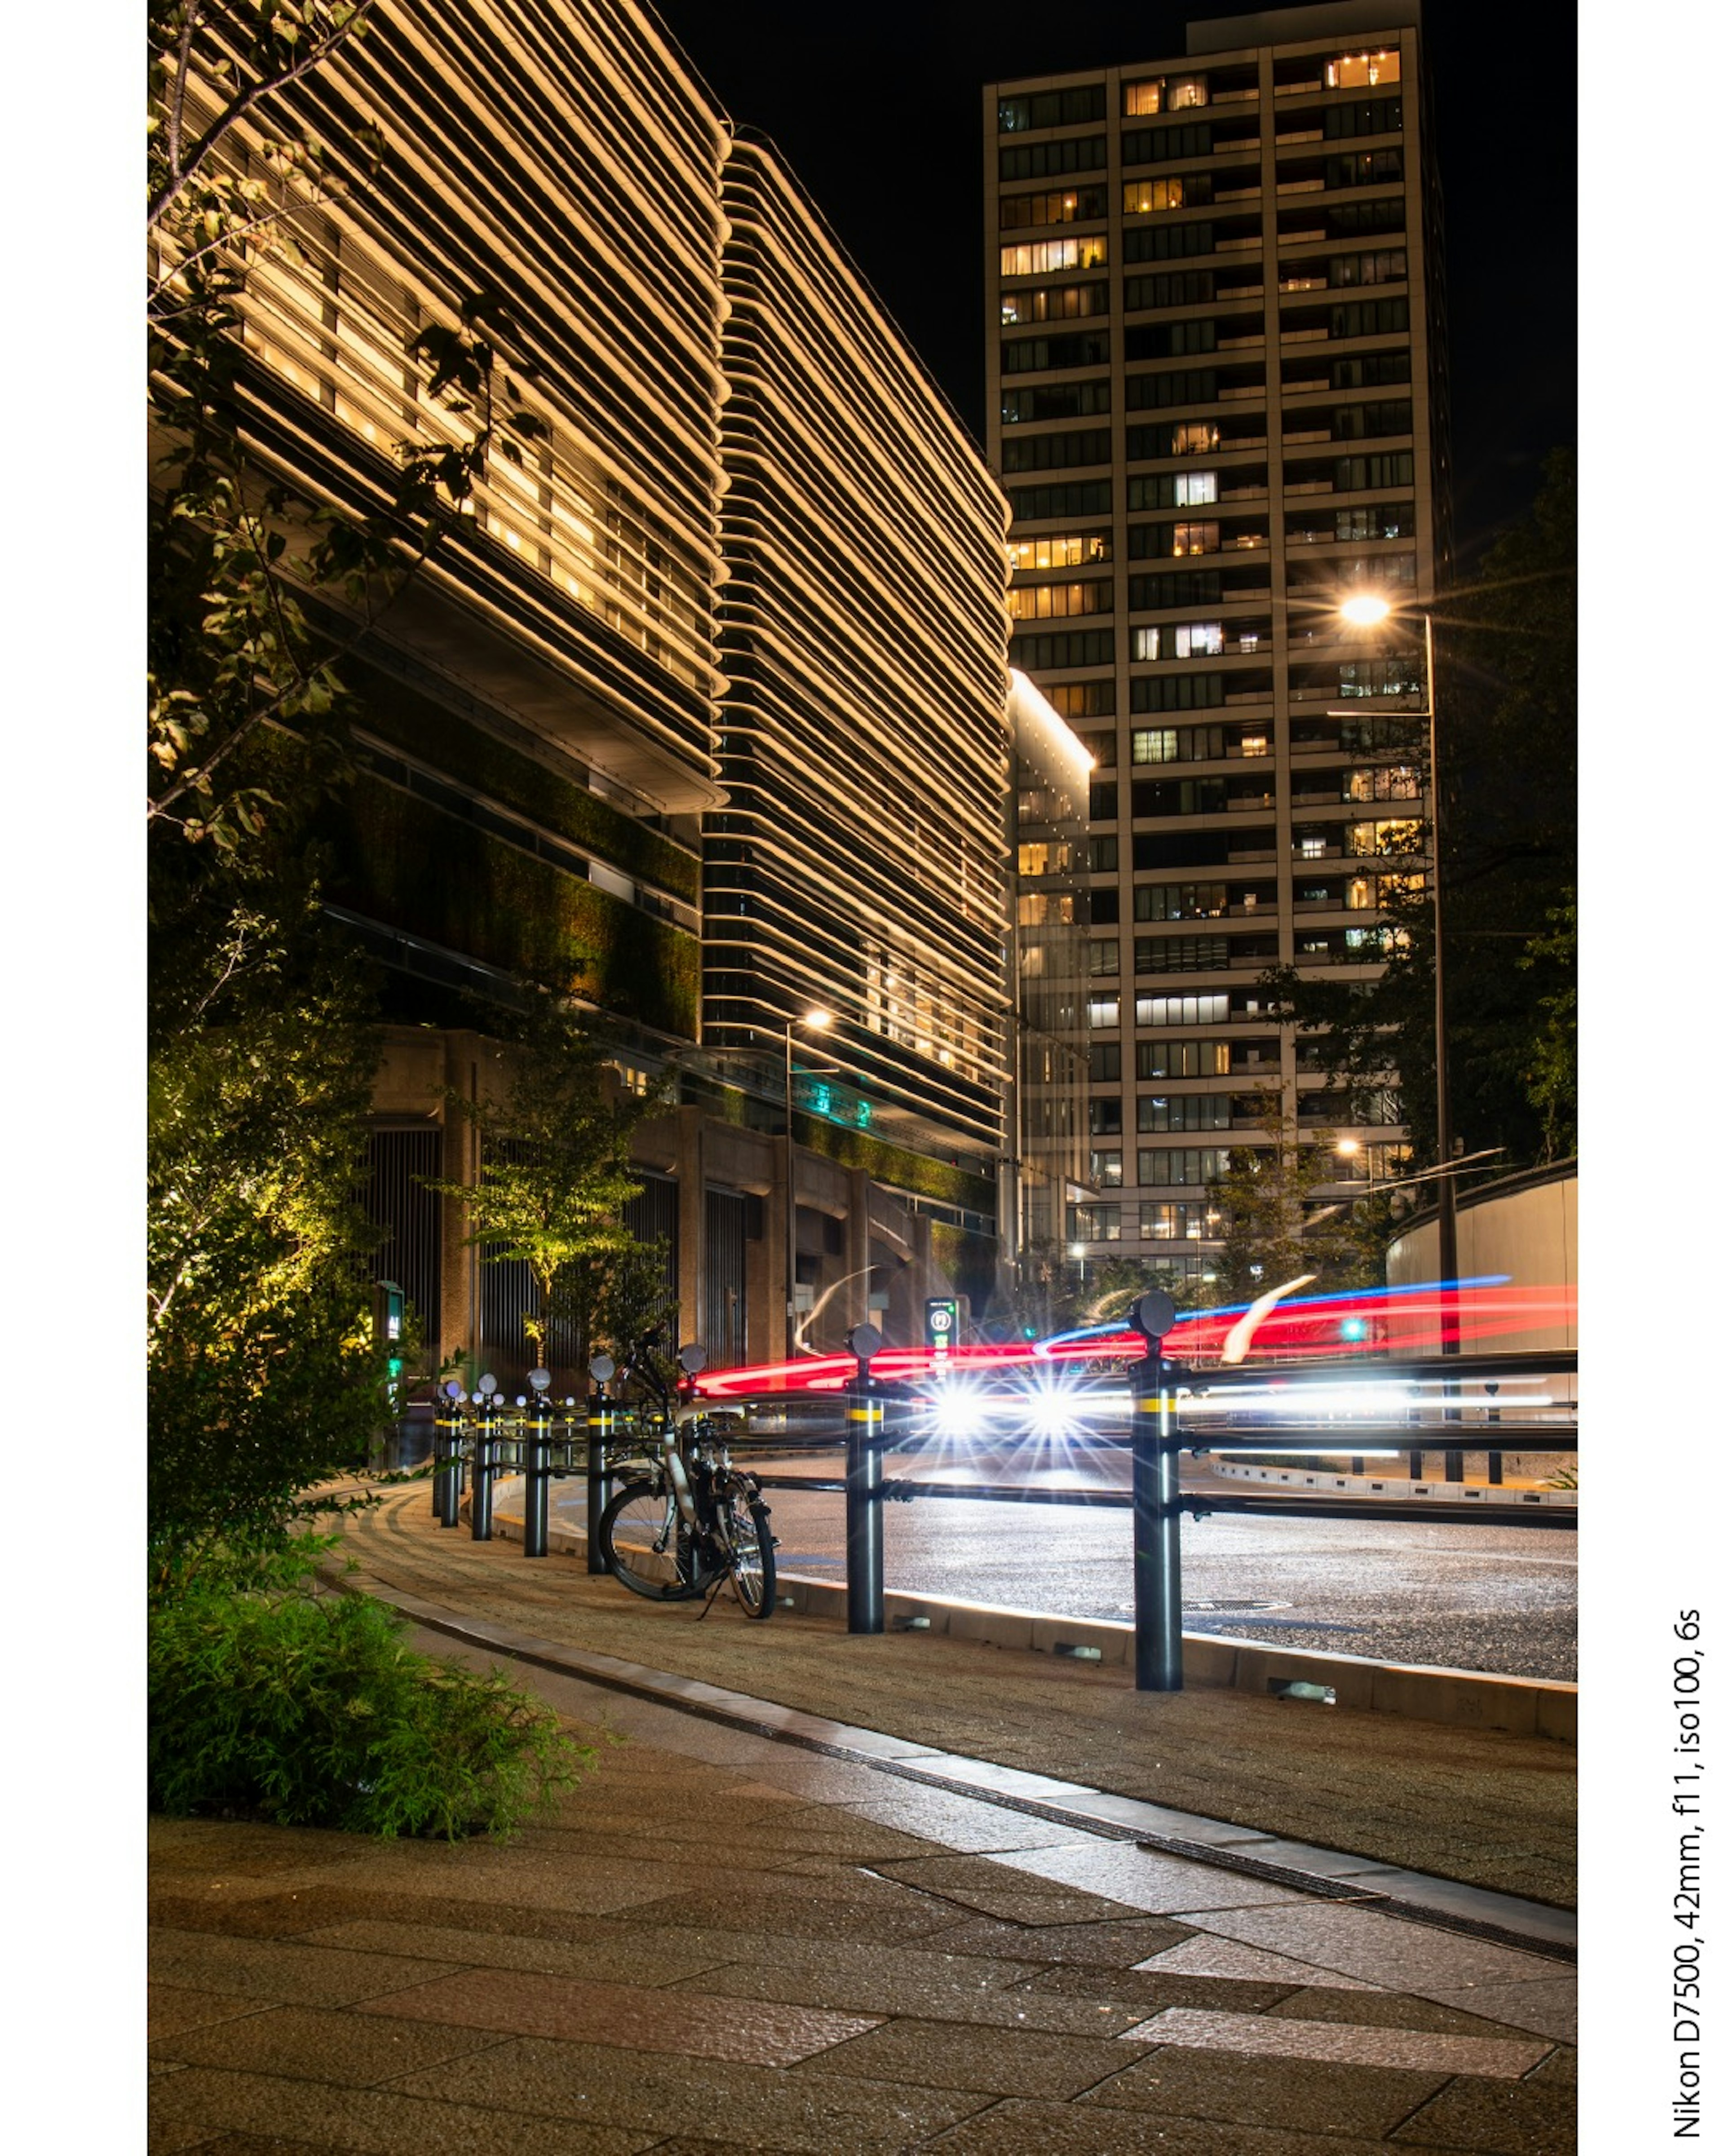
[1460,1699]
[1333,1874]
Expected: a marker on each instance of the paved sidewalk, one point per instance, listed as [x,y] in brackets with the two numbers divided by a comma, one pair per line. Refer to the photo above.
[733,1940]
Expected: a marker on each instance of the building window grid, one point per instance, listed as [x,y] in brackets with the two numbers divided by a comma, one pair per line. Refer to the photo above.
[1208,1111]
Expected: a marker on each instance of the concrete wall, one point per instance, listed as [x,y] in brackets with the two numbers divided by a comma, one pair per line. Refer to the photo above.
[1524,1228]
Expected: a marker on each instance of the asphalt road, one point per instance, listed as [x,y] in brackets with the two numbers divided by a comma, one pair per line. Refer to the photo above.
[1463,1596]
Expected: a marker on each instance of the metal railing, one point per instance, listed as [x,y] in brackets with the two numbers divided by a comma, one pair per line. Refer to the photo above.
[1173,1409]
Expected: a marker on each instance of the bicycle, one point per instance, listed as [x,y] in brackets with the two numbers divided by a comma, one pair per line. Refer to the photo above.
[681,1525]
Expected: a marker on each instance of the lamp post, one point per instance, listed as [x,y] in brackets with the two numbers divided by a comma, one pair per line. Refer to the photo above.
[1367,610]
[813,1020]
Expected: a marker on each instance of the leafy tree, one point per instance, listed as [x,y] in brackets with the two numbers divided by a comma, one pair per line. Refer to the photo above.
[1554,1085]
[1507,824]
[555,1178]
[236,177]
[262,1377]
[1276,1224]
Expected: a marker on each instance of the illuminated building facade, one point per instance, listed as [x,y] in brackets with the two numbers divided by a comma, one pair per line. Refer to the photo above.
[700,716]
[1217,403]
[1051,774]
[858,863]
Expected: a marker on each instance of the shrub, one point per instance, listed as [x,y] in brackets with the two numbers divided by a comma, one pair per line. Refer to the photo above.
[309,1709]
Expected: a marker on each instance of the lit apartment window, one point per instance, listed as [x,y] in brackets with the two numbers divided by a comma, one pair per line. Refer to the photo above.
[1106,1170]
[1193,490]
[1058,602]
[1142,197]
[1179,93]
[1361,70]
[1195,438]
[1061,550]
[1102,1010]
[1397,835]
[1181,639]
[1383,781]
[1197,538]
[1035,259]
[1254,745]
[1182,1010]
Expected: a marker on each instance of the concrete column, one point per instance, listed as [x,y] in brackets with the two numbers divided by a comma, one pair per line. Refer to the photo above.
[858,1242]
[691,1223]
[459,1317]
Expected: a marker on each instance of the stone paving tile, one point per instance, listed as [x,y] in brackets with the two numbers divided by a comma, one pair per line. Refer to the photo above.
[1383,2009]
[1382,1948]
[620,1958]
[261,2144]
[1505,2058]
[1550,2008]
[1145,1880]
[968,1823]
[188,2109]
[1530,2118]
[1099,1945]
[238,1848]
[316,2044]
[824,2113]
[1559,2068]
[888,1981]
[992,2061]
[1143,1994]
[172,2007]
[284,1973]
[1018,2128]
[769,2033]
[1203,1954]
[981,1883]
[802,1915]
[1317,2097]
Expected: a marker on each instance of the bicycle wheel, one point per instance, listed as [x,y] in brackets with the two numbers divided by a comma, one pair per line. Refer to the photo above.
[646,1545]
[753,1572]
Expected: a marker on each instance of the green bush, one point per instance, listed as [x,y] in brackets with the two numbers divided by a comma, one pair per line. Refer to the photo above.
[308,1709]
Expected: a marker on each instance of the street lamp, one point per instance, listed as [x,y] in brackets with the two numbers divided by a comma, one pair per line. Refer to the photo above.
[1368,610]
[814,1020]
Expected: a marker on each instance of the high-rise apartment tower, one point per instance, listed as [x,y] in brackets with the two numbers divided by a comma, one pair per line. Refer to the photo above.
[1218,405]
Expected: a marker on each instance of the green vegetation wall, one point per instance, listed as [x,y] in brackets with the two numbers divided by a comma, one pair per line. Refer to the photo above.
[405,863]
[473,757]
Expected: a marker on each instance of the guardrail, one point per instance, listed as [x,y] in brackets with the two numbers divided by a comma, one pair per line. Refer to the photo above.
[480,1437]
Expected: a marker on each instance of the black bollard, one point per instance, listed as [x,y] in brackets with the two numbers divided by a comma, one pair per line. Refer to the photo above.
[865,1556]
[485,1463]
[536,1532]
[1494,1414]
[1156,1505]
[600,1417]
[446,1479]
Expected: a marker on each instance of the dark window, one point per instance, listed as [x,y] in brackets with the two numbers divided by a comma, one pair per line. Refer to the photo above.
[1034,354]
[1166,242]
[1023,453]
[1053,108]
[1155,146]
[1054,400]
[1084,647]
[1366,115]
[1178,385]
[1038,161]
[1090,497]
[1184,692]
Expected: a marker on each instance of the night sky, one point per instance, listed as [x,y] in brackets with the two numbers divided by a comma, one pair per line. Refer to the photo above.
[879,112]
